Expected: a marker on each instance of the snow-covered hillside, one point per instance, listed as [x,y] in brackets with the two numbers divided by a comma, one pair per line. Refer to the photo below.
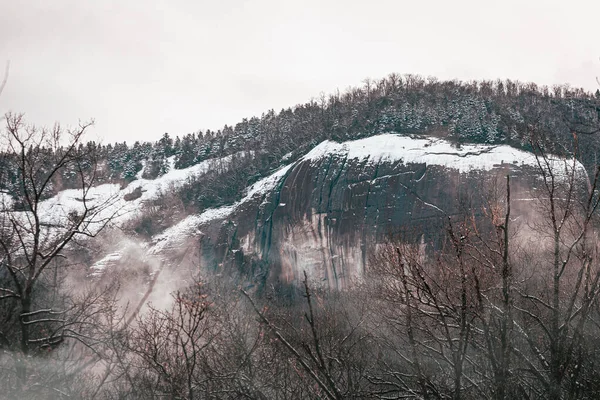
[386,148]
[124,204]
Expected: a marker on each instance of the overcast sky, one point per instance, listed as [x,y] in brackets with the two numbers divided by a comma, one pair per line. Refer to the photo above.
[141,68]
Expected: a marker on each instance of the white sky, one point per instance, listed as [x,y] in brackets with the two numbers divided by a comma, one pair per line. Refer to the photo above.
[141,67]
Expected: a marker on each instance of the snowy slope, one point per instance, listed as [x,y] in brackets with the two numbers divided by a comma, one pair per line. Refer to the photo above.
[173,236]
[376,149]
[386,148]
[109,199]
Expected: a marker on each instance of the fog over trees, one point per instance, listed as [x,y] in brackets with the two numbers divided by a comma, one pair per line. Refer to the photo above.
[503,308]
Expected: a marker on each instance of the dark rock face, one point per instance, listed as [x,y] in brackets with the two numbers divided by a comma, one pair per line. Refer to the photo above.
[325,216]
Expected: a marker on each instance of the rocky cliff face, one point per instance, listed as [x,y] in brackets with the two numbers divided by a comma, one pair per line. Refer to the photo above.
[325,212]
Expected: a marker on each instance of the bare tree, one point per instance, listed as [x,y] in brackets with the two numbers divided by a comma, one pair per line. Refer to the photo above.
[430,305]
[169,347]
[557,314]
[330,350]
[491,253]
[36,235]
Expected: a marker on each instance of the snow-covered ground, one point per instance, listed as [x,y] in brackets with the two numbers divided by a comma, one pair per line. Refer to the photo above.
[432,151]
[110,200]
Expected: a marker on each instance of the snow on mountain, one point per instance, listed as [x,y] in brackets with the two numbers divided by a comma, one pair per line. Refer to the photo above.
[432,151]
[106,201]
[110,201]
[175,235]
[386,148]
[390,148]
[101,264]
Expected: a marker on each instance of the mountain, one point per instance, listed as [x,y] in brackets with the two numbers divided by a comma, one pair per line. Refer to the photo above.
[322,213]
[316,186]
[408,239]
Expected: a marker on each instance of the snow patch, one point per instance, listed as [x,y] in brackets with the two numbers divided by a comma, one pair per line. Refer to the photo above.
[100,265]
[141,171]
[431,151]
[107,202]
[266,184]
[6,201]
